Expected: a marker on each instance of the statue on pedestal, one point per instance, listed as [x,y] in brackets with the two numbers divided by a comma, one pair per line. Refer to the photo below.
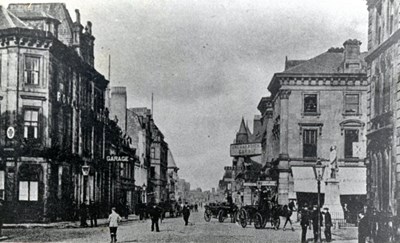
[333,165]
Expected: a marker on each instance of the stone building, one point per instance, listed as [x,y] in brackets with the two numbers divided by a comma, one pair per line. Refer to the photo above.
[383,129]
[139,121]
[172,179]
[53,115]
[315,104]
[157,187]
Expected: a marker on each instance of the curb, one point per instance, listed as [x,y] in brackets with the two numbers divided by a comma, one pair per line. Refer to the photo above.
[59,225]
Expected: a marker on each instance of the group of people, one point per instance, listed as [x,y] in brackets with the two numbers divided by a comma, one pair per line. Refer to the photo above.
[315,218]
[90,210]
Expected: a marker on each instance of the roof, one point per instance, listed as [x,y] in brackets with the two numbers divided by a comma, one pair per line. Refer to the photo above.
[327,62]
[171,160]
[36,10]
[9,20]
[242,129]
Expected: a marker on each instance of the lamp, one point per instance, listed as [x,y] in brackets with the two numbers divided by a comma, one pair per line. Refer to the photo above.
[319,170]
[85,169]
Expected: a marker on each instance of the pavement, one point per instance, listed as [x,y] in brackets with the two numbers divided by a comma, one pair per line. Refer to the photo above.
[63,224]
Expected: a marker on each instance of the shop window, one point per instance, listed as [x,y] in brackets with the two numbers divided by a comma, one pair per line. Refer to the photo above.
[310,103]
[352,104]
[2,184]
[31,75]
[28,191]
[31,123]
[310,143]
[350,137]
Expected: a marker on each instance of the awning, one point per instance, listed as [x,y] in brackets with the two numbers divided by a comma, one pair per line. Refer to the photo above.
[352,180]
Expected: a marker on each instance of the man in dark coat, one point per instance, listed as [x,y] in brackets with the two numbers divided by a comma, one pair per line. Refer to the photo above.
[315,215]
[93,211]
[155,213]
[186,213]
[328,225]
[83,214]
[363,228]
[304,222]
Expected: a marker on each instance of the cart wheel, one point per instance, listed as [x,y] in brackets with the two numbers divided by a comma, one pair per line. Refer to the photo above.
[221,215]
[243,218]
[258,221]
[207,215]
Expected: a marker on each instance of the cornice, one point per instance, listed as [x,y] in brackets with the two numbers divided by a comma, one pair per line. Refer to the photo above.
[395,37]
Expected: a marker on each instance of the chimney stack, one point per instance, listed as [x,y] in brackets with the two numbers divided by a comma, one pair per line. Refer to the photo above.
[89,27]
[78,16]
[352,61]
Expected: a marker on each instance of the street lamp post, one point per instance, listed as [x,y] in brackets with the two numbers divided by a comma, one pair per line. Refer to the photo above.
[85,173]
[144,193]
[319,174]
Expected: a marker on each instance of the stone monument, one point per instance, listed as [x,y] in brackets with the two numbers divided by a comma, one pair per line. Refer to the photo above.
[332,190]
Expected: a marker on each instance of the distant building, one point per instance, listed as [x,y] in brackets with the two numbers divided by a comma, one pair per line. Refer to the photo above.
[183,189]
[315,104]
[157,187]
[172,182]
[383,129]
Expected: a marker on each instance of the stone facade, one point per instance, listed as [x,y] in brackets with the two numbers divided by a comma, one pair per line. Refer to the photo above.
[383,129]
[315,104]
[52,108]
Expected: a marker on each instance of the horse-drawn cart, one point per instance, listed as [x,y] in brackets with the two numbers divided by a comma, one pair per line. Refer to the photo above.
[220,211]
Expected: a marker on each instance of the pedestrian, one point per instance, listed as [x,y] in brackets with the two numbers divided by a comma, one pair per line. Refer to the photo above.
[83,214]
[113,220]
[155,213]
[363,228]
[93,211]
[304,222]
[186,213]
[315,216]
[287,213]
[346,212]
[328,225]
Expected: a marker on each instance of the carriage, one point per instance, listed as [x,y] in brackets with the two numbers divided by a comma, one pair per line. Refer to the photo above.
[261,213]
[221,211]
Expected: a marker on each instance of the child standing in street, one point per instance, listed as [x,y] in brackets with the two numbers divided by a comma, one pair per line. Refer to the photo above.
[113,221]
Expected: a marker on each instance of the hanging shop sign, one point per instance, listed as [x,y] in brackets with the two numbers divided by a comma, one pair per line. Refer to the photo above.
[247,149]
[266,183]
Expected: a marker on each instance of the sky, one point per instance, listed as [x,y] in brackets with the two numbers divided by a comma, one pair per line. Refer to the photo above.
[209,62]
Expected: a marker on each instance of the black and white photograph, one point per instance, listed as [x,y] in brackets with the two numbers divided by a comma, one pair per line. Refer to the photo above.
[200,121]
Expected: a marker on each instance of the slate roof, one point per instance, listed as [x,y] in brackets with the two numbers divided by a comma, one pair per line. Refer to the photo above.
[36,10]
[326,63]
[242,129]
[171,160]
[9,20]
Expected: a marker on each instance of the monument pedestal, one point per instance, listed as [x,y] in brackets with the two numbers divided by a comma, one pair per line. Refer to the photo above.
[332,200]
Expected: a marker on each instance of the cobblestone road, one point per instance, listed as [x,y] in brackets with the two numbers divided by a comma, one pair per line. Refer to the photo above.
[172,230]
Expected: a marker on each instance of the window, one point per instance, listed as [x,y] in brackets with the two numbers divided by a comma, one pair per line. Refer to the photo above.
[31,123]
[153,153]
[28,191]
[310,103]
[350,137]
[31,70]
[2,184]
[152,172]
[352,104]
[310,143]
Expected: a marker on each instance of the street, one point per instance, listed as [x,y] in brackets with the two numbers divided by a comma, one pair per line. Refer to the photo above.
[172,230]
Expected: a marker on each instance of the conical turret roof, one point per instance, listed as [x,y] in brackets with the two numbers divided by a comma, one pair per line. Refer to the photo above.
[242,129]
